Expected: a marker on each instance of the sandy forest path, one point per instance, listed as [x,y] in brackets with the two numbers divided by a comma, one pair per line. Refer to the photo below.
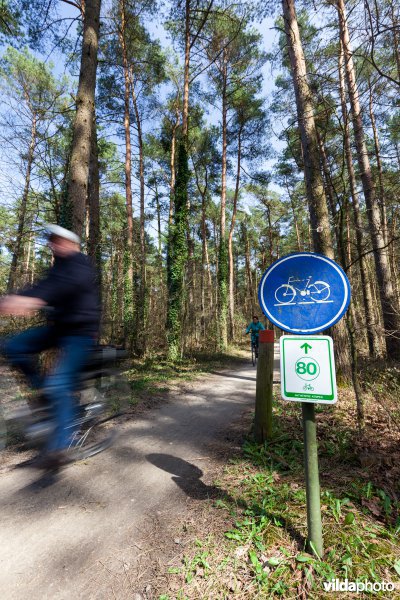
[84,535]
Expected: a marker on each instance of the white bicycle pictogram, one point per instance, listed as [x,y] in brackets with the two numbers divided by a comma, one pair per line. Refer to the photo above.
[319,291]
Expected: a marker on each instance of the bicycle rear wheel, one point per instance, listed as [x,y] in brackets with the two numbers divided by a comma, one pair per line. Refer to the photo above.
[3,430]
[253,355]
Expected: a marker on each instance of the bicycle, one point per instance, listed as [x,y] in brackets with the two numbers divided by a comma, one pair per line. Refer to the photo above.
[319,291]
[96,407]
[254,351]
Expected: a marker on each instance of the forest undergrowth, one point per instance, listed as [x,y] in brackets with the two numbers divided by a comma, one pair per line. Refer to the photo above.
[154,375]
[251,541]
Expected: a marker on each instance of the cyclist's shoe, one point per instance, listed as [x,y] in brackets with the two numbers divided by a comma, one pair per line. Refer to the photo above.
[53,461]
[38,402]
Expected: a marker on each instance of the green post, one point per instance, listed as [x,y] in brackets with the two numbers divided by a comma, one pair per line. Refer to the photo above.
[314,540]
[264,387]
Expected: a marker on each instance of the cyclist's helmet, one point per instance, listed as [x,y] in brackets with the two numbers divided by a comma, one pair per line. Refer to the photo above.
[58,231]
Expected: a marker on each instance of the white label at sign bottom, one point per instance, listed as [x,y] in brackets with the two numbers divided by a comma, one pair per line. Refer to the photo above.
[308,369]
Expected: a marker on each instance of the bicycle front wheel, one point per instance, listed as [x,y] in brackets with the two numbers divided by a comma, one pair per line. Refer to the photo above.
[92,439]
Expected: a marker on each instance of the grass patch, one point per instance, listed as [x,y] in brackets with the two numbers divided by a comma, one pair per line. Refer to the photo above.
[155,374]
[258,551]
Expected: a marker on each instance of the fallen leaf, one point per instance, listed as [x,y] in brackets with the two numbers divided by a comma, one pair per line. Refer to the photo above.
[373,505]
[241,551]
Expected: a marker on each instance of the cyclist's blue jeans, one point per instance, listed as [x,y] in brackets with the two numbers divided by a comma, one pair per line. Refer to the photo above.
[59,385]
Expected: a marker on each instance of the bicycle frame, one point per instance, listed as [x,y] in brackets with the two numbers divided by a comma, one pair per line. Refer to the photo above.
[293,280]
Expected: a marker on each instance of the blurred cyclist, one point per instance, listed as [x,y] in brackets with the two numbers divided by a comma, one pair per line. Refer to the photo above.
[255,327]
[70,288]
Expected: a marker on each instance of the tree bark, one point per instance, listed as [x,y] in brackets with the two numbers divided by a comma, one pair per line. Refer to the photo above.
[318,208]
[85,105]
[300,246]
[141,293]
[231,302]
[249,288]
[382,200]
[94,238]
[12,279]
[185,109]
[177,250]
[172,167]
[222,260]
[317,203]
[129,306]
[371,326]
[390,311]
[395,24]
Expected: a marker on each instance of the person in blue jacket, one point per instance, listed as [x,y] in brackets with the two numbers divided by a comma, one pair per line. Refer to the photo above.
[255,327]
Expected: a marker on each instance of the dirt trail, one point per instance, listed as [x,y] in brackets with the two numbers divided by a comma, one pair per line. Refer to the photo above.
[84,535]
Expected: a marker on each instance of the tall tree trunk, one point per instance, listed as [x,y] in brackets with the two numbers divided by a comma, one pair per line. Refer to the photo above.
[395,30]
[172,167]
[141,321]
[318,208]
[305,112]
[129,304]
[371,325]
[177,257]
[390,312]
[94,238]
[177,250]
[249,286]
[85,104]
[30,258]
[372,334]
[12,279]
[159,234]
[382,200]
[230,238]
[393,257]
[222,259]
[300,246]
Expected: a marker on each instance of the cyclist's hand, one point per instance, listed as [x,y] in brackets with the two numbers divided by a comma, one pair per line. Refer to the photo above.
[20,306]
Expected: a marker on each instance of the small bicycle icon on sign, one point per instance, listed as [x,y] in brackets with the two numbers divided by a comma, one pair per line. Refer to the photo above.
[318,292]
[308,388]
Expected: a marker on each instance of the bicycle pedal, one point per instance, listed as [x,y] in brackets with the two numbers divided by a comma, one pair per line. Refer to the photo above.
[93,409]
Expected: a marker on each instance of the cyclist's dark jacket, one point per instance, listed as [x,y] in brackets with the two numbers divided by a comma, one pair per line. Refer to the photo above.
[70,287]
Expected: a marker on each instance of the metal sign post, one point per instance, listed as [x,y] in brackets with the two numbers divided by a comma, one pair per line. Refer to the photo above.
[304,294]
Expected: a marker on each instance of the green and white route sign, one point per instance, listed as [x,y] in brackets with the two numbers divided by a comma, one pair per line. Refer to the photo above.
[308,369]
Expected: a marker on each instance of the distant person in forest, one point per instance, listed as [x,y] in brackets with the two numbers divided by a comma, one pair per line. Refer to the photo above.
[255,327]
[70,290]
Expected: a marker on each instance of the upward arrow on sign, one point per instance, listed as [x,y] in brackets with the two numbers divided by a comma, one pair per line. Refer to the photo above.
[306,347]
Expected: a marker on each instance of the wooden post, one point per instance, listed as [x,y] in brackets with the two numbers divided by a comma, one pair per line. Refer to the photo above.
[314,540]
[264,387]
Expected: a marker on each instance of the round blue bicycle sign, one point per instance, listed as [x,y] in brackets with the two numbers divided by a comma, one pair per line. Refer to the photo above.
[304,293]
